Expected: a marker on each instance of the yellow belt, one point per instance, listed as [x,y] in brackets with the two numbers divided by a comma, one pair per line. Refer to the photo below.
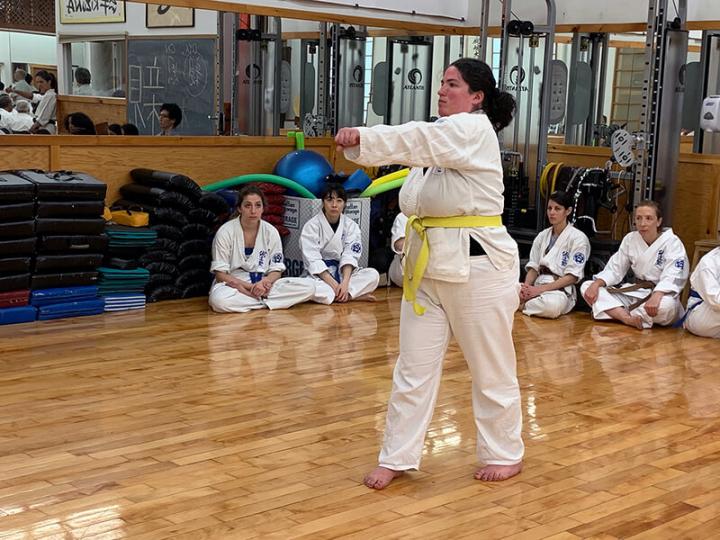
[411,280]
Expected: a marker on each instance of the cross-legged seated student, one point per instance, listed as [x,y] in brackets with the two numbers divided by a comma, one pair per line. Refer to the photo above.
[703,317]
[557,261]
[659,262]
[331,245]
[248,263]
[397,243]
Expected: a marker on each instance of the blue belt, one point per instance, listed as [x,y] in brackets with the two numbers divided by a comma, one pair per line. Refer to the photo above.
[333,263]
[693,294]
[256,276]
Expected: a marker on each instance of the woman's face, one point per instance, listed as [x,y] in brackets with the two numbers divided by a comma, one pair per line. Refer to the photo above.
[333,206]
[557,213]
[42,85]
[251,208]
[646,220]
[455,95]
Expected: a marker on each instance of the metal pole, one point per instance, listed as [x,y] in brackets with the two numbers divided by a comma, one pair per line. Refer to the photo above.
[484,23]
[570,129]
[234,88]
[603,74]
[276,76]
[322,78]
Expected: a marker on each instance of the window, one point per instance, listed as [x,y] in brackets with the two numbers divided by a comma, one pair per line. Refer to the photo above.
[97,68]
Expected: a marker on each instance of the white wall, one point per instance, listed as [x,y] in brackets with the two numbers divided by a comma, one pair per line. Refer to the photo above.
[27,48]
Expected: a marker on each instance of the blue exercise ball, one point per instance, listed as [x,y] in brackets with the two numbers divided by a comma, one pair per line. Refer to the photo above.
[305,167]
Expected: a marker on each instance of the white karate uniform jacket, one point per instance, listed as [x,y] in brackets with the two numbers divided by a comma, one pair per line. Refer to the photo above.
[664,263]
[567,256]
[324,249]
[228,253]
[703,318]
[395,272]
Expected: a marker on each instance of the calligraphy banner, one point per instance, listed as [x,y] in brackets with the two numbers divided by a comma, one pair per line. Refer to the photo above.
[91,11]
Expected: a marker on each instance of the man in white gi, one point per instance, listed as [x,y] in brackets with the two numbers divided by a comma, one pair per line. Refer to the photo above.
[660,265]
[397,243]
[248,262]
[331,245]
[557,261]
[703,317]
[461,270]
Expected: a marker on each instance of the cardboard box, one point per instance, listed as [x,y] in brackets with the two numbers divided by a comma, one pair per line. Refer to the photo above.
[299,210]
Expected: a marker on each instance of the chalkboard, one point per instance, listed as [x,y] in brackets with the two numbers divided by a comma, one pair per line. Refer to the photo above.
[177,70]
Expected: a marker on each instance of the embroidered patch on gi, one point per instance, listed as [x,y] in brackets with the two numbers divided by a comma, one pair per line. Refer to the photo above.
[356,247]
[680,263]
[565,258]
[261,258]
[660,261]
[438,170]
[579,258]
[277,258]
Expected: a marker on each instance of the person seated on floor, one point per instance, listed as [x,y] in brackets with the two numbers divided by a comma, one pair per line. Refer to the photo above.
[248,262]
[660,265]
[331,244]
[22,120]
[78,123]
[703,313]
[6,112]
[397,243]
[557,261]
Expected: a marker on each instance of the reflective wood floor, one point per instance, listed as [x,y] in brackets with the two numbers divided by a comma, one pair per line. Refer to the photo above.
[182,424]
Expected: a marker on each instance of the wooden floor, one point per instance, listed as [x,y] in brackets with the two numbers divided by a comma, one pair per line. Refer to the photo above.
[179,423]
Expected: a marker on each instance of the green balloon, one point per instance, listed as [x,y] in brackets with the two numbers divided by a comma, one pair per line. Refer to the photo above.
[271,178]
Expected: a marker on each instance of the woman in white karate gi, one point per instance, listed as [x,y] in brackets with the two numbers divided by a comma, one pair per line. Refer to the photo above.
[557,261]
[397,243]
[331,245]
[461,270]
[248,262]
[703,316]
[660,264]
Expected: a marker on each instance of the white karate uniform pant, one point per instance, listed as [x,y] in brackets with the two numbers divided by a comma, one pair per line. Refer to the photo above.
[669,311]
[479,314]
[395,272]
[362,281]
[702,320]
[550,304]
[285,292]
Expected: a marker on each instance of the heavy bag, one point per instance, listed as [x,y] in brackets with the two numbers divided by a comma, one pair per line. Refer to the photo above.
[167,180]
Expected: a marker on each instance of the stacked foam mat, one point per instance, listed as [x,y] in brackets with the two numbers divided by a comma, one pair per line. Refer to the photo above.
[185,221]
[17,245]
[122,279]
[63,240]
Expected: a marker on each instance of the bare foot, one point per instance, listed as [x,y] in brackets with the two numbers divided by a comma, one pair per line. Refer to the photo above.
[365,298]
[497,473]
[632,320]
[380,477]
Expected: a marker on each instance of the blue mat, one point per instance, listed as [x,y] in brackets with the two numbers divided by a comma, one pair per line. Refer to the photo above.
[72,309]
[59,295]
[15,315]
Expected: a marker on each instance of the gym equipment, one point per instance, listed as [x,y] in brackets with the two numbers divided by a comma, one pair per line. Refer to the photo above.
[14,282]
[194,261]
[197,231]
[17,229]
[358,181]
[71,243]
[124,301]
[45,263]
[65,185]
[215,203]
[168,181]
[14,247]
[44,297]
[74,209]
[17,212]
[131,218]
[14,298]
[157,197]
[47,281]
[402,173]
[271,178]
[78,308]
[387,186]
[14,315]
[15,265]
[169,217]
[14,189]
[63,226]
[167,231]
[304,167]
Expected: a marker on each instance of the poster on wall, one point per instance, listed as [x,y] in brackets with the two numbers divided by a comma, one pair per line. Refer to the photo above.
[164,16]
[91,11]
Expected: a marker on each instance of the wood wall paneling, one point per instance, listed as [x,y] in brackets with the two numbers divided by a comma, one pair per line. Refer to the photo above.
[99,109]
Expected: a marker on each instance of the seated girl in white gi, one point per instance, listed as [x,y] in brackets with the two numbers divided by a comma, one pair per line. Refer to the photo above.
[703,315]
[331,245]
[248,262]
[557,261]
[397,243]
[660,265]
